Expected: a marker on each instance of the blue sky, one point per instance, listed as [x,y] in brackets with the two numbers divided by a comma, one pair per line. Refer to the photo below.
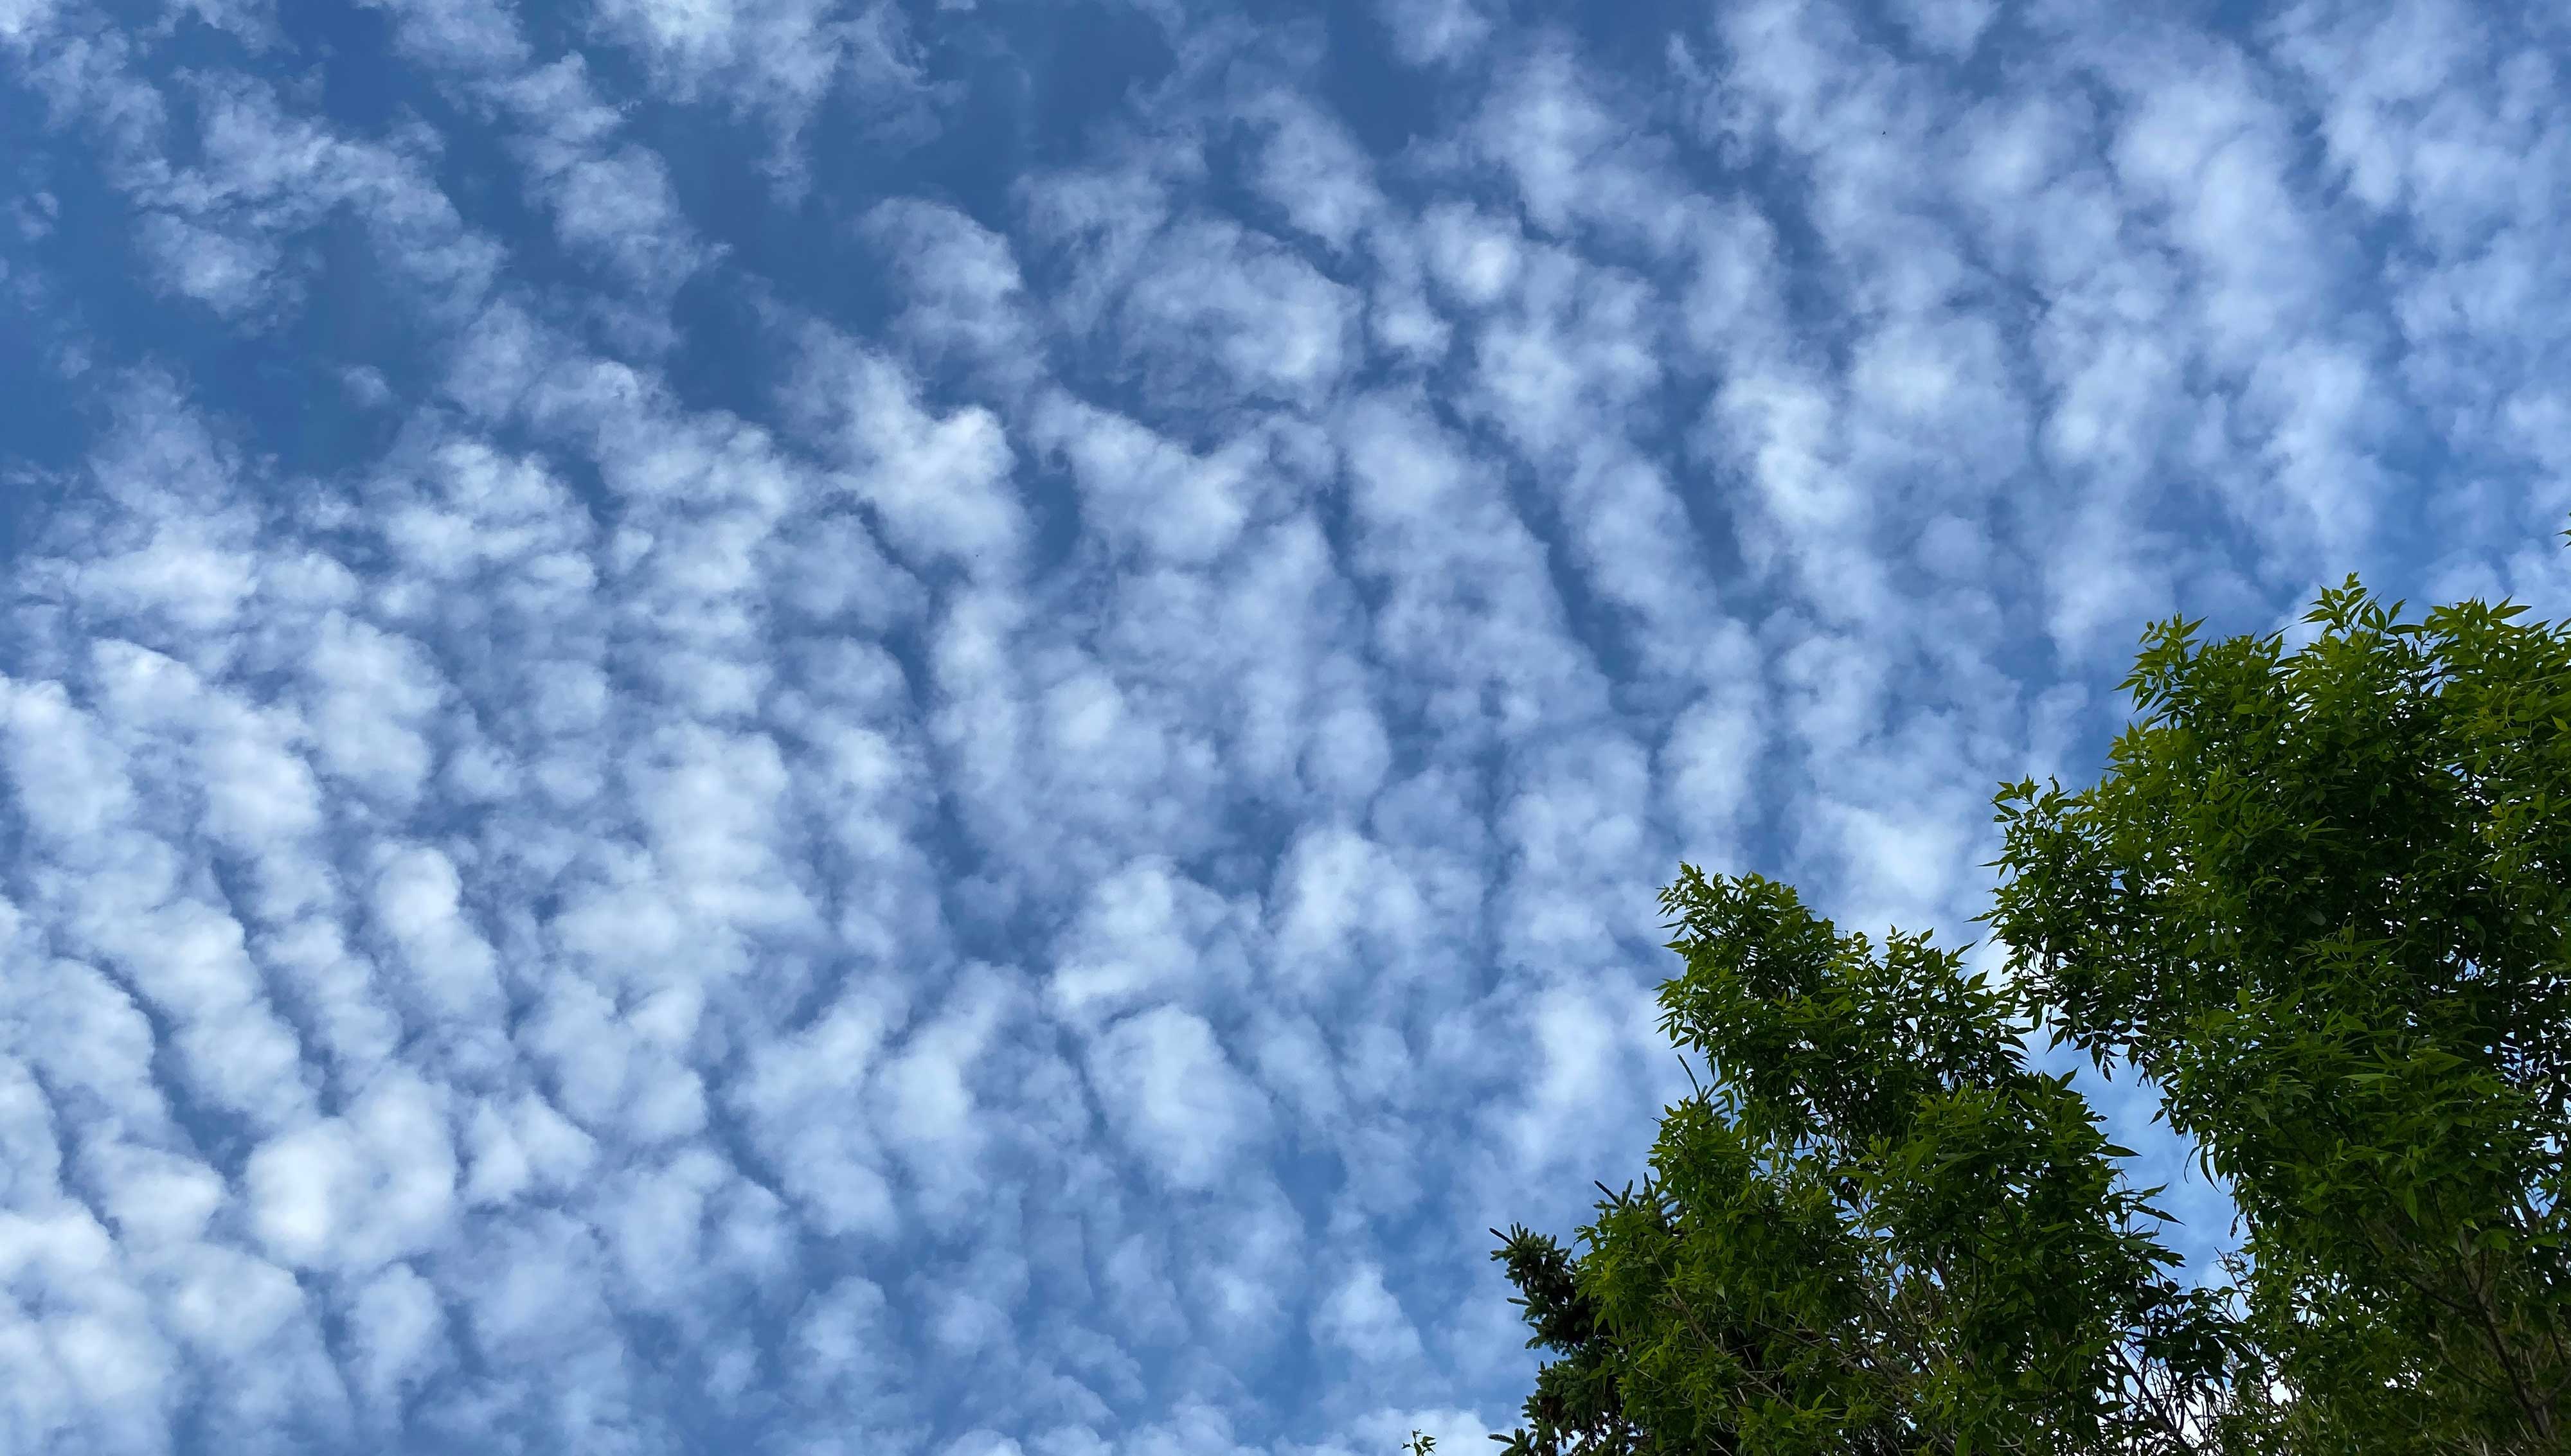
[769,725]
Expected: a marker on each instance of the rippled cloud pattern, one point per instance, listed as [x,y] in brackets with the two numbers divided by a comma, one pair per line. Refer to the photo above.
[841,727]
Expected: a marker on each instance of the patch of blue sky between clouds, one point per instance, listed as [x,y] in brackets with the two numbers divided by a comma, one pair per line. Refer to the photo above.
[780,727]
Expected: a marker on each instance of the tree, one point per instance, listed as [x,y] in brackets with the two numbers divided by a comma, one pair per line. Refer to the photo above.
[2319,899]
[1881,1232]
[2316,901]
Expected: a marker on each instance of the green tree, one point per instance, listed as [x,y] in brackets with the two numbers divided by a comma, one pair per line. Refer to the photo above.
[2316,901]
[2319,899]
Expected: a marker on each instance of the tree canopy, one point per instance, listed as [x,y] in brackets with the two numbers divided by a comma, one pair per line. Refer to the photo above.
[2316,902]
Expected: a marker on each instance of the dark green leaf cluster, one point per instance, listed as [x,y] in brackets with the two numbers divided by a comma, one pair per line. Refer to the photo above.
[2319,903]
[2319,899]
[1882,1232]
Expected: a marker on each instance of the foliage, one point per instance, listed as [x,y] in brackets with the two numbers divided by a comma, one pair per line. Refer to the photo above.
[1881,1232]
[2318,902]
[2319,899]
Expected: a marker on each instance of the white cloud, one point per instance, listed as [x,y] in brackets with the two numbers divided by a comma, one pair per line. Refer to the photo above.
[228,273]
[1948,27]
[801,1098]
[610,199]
[1425,32]
[70,783]
[1149,493]
[1361,1316]
[354,1192]
[1175,1097]
[940,484]
[376,693]
[21,18]
[94,1365]
[399,1328]
[1311,171]
[1145,934]
[523,1149]
[1344,906]
[473,35]
[153,1198]
[965,294]
[1475,255]
[1274,328]
[781,57]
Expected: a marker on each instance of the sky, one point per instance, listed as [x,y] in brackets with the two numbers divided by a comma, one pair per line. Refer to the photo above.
[814,726]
